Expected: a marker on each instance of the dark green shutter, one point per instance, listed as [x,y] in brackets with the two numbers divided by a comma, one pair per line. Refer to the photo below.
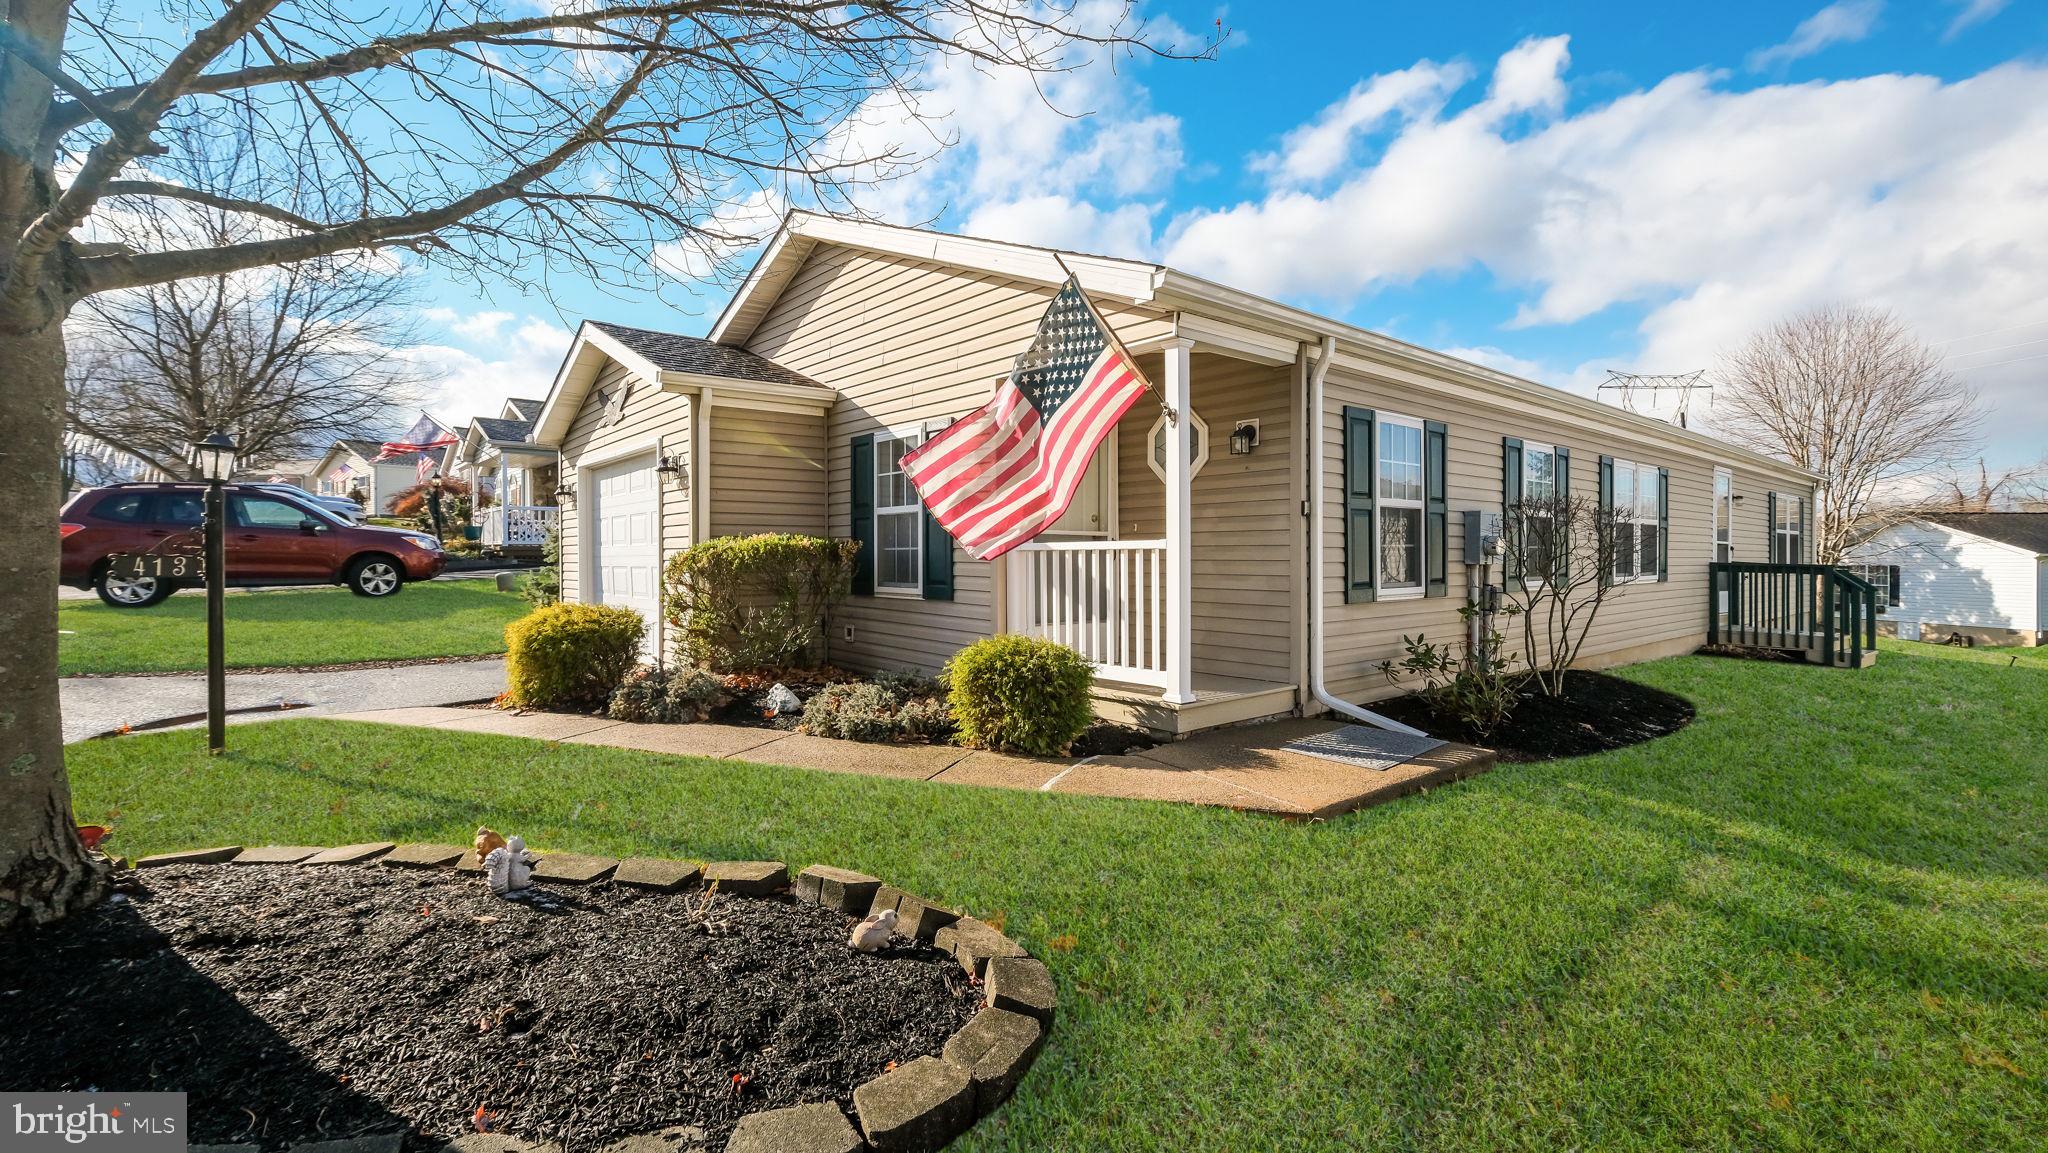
[1892,584]
[1771,529]
[1560,546]
[1604,525]
[1435,516]
[938,560]
[1359,541]
[1511,500]
[1663,524]
[1805,531]
[861,512]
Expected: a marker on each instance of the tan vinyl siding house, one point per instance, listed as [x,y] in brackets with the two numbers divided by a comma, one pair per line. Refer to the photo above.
[849,336]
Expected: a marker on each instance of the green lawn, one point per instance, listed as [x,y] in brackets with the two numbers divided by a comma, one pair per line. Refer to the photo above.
[319,626]
[1817,919]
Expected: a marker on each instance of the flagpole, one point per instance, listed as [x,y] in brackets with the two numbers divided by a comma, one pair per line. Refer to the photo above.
[1103,323]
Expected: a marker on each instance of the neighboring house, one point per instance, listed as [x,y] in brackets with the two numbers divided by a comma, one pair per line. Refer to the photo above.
[498,456]
[1189,584]
[297,473]
[351,468]
[1982,576]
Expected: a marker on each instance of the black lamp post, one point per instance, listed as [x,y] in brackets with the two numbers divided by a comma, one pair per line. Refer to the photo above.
[434,502]
[215,457]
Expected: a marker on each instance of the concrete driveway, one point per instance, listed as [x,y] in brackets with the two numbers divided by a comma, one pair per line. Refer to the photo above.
[95,705]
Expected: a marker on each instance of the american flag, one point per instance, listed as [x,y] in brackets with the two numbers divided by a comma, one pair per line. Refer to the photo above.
[424,437]
[1004,474]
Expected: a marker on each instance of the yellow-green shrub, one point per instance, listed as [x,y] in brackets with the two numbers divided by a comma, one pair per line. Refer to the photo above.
[569,656]
[745,603]
[1020,694]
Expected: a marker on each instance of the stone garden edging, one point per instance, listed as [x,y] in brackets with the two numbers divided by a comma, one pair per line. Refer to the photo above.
[917,1107]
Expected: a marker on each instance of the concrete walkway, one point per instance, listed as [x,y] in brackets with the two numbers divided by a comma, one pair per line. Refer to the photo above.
[1237,768]
[96,705]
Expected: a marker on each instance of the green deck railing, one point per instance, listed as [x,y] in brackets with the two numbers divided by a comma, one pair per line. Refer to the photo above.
[1826,612]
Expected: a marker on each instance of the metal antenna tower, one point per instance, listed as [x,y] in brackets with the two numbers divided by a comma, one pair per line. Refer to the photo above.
[1655,386]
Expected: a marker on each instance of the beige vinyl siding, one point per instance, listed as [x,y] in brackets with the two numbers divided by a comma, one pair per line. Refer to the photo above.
[767,471]
[1641,618]
[649,413]
[1243,545]
[906,343]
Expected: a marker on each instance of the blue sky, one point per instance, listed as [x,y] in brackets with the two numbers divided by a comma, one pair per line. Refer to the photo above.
[1556,189]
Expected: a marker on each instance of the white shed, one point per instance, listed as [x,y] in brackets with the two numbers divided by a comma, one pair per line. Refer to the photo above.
[1981,576]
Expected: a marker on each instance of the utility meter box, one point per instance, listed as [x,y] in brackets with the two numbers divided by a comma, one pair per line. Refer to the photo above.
[1482,542]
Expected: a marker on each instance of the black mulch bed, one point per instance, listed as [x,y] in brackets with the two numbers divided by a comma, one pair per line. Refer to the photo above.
[298,1004]
[1598,713]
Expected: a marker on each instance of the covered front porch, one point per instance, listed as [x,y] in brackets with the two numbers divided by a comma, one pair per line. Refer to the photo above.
[1178,567]
[520,479]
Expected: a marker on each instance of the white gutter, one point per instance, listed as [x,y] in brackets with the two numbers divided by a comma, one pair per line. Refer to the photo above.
[1315,555]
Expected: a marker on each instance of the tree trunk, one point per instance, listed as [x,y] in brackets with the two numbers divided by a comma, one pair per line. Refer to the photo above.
[44,870]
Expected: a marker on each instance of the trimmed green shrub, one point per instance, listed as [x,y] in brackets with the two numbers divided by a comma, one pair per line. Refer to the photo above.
[665,696]
[1020,694]
[568,656]
[743,603]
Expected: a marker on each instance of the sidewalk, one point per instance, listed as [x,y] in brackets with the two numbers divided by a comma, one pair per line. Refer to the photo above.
[1238,768]
[96,705]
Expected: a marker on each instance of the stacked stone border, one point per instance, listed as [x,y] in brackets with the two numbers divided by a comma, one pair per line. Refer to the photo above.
[913,1108]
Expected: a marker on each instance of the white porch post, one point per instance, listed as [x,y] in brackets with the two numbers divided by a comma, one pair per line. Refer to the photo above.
[1180,673]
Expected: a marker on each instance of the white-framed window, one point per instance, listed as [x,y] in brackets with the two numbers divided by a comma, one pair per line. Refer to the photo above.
[1724,516]
[899,519]
[1880,578]
[1636,499]
[1539,494]
[1788,535]
[1397,497]
[1198,445]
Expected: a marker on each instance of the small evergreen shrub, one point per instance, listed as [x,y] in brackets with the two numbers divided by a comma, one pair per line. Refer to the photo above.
[543,586]
[744,603]
[1020,694]
[893,706]
[569,656]
[666,696]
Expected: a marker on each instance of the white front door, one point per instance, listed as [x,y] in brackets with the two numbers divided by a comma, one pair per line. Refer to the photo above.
[625,555]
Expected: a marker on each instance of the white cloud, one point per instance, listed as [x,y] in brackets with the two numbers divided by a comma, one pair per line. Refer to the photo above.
[519,358]
[1716,211]
[1843,22]
[1316,150]
[1974,12]
[1529,77]
[1507,362]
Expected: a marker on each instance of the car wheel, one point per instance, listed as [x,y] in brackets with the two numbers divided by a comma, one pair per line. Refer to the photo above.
[130,592]
[375,576]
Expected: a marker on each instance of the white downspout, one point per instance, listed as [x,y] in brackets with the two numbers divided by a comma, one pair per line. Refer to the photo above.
[1316,485]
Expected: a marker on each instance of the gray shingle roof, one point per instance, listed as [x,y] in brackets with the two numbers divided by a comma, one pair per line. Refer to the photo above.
[504,431]
[2027,530]
[673,353]
[526,407]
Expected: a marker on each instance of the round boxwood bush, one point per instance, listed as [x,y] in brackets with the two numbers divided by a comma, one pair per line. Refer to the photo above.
[1020,694]
[569,656]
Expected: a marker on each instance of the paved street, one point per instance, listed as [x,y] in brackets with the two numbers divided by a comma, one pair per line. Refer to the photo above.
[94,705]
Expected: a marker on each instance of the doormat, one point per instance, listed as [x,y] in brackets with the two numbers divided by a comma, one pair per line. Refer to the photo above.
[1364,746]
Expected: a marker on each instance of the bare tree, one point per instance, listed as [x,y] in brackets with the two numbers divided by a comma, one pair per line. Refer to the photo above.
[1562,552]
[492,138]
[1850,393]
[285,359]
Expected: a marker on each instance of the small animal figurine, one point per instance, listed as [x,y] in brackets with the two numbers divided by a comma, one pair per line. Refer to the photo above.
[873,932]
[507,868]
[486,840]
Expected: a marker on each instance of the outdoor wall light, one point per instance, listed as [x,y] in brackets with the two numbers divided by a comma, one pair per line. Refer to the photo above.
[215,457]
[566,492]
[669,465]
[1244,438]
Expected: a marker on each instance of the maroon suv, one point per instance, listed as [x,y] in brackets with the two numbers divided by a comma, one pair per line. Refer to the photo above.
[271,540]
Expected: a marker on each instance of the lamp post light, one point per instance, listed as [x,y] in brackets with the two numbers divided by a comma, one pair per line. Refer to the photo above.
[215,457]
[434,502]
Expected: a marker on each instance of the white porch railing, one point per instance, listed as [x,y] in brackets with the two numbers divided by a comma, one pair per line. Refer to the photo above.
[1106,599]
[518,525]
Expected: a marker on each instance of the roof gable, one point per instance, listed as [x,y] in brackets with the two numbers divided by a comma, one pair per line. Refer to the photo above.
[2022,530]
[662,359]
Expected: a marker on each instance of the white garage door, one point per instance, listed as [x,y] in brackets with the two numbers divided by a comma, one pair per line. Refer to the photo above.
[626,553]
